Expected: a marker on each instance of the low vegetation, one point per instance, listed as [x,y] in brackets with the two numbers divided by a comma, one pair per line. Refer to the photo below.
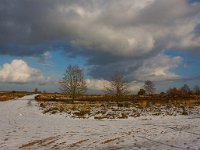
[42,142]
[141,100]
[106,107]
[4,96]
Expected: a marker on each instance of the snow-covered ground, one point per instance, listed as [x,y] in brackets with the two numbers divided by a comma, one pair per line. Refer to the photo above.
[23,126]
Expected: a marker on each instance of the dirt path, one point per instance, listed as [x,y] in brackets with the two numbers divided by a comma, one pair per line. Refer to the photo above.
[23,126]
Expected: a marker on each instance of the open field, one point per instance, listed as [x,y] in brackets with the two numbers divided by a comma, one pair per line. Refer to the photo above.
[112,110]
[24,126]
[4,96]
[64,98]
[101,106]
[141,101]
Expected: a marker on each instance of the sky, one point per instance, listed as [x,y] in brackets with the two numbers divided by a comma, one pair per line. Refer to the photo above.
[157,40]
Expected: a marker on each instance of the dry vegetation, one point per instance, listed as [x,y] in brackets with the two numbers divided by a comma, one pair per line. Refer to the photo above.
[101,106]
[42,142]
[67,99]
[140,100]
[4,96]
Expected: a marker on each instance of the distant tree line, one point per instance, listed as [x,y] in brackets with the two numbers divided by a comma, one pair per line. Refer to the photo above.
[184,91]
[74,85]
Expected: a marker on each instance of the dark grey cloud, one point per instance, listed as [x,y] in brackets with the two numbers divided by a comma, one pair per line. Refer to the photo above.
[113,35]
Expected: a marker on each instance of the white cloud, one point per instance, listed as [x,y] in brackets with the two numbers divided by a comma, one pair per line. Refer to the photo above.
[158,68]
[99,85]
[96,84]
[18,71]
[155,69]
[45,57]
[135,86]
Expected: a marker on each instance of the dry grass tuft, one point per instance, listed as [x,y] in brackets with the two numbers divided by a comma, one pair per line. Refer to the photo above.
[41,142]
[110,140]
[77,143]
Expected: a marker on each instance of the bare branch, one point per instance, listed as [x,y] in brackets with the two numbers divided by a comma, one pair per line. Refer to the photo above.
[118,87]
[73,82]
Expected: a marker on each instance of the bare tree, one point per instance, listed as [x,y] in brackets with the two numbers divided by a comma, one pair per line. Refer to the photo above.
[185,89]
[118,87]
[36,90]
[196,89]
[73,82]
[149,87]
[173,92]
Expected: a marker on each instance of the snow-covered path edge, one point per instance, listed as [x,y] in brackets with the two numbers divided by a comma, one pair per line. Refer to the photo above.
[23,126]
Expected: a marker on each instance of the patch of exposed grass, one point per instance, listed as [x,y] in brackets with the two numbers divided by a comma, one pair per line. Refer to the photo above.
[110,140]
[141,101]
[4,96]
[77,143]
[42,142]
[113,110]
[101,107]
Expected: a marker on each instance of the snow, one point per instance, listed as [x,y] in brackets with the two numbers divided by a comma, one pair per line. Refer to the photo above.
[24,126]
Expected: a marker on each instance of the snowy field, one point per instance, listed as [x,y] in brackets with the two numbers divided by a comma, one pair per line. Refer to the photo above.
[24,126]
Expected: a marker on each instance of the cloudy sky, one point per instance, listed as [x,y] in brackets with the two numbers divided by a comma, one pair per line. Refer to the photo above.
[156,40]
